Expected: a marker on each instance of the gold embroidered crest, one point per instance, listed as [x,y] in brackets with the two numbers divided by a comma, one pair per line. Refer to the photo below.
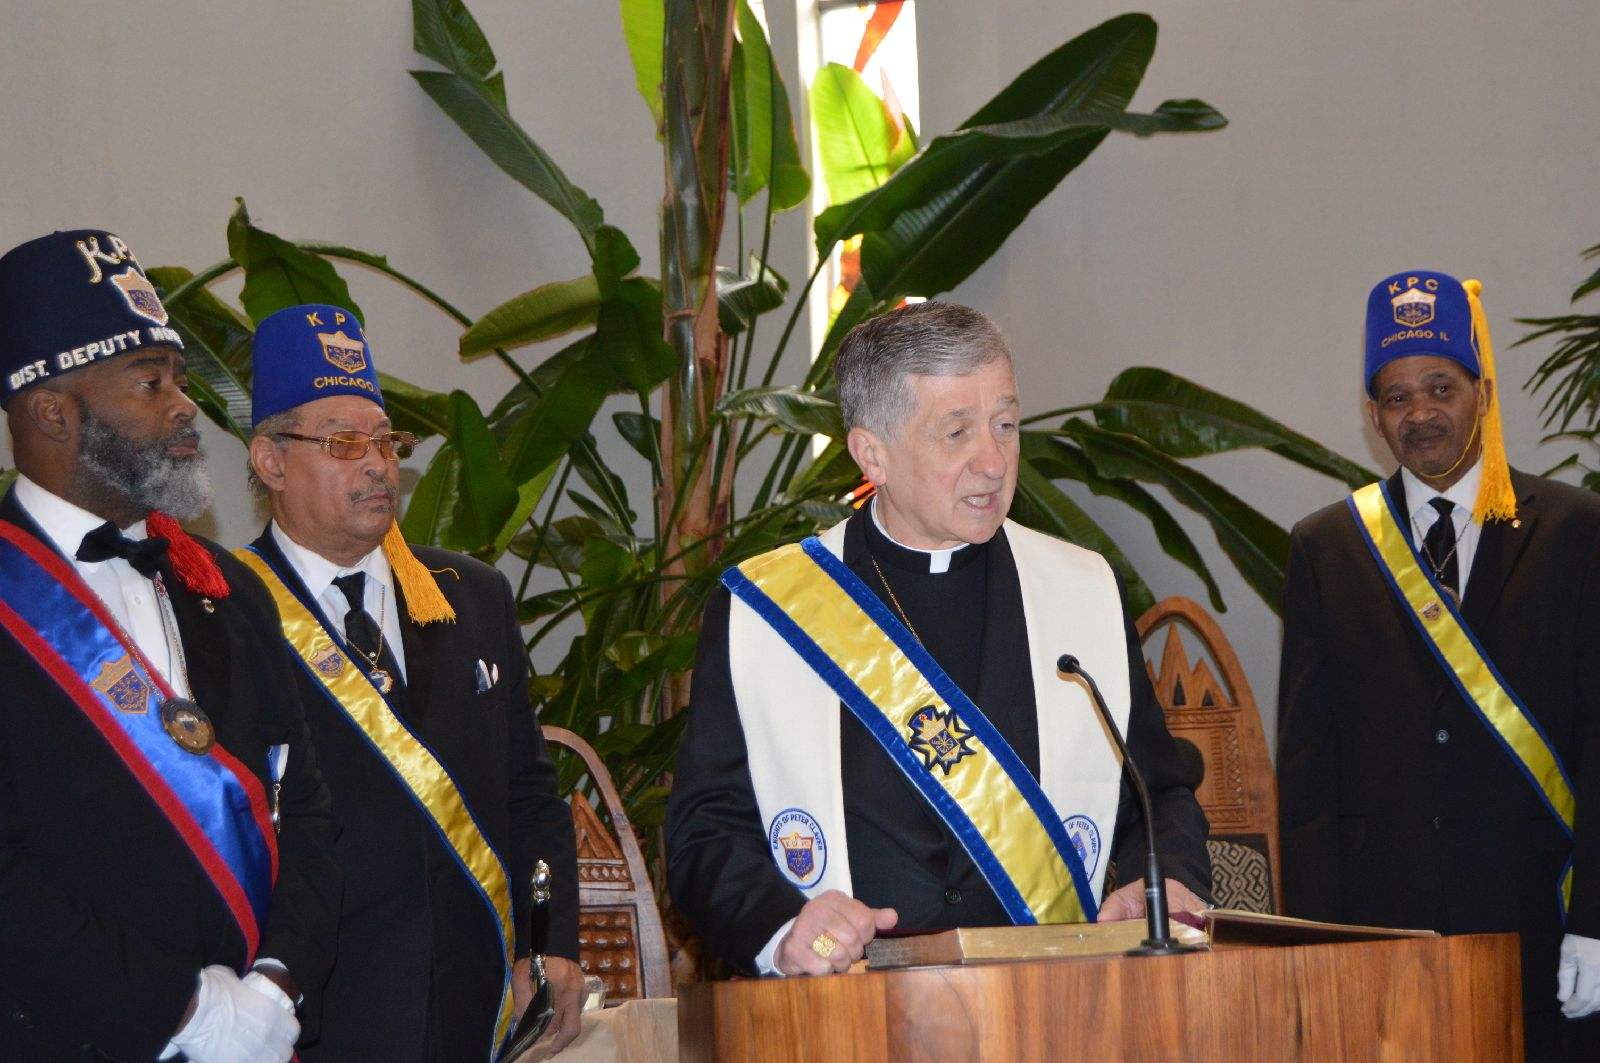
[940,738]
[1413,307]
[342,352]
[140,295]
[122,686]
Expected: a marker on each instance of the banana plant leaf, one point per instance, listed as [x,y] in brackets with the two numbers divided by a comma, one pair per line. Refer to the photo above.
[212,337]
[1059,460]
[1041,505]
[643,25]
[545,312]
[1257,547]
[950,208]
[797,410]
[446,32]
[857,139]
[486,496]
[765,153]
[415,409]
[433,501]
[540,431]
[278,274]
[1186,420]
[742,299]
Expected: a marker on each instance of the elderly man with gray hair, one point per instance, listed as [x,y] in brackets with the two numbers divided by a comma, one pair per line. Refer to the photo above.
[877,734]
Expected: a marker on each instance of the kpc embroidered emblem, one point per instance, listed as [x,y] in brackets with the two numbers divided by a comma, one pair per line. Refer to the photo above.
[1413,307]
[940,738]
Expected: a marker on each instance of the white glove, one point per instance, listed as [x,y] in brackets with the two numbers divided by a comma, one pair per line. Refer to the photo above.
[1578,976]
[238,1020]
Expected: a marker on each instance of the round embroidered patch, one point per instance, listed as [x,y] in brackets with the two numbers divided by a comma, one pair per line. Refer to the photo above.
[1085,838]
[798,846]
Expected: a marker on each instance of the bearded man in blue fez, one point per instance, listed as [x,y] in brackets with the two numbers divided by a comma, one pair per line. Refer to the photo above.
[416,686]
[167,881]
[1439,715]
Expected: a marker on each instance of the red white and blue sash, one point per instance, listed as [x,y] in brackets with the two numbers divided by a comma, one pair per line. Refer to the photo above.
[216,804]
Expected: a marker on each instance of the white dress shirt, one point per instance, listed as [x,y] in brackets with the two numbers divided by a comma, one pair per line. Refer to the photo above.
[132,599]
[380,600]
[1464,492]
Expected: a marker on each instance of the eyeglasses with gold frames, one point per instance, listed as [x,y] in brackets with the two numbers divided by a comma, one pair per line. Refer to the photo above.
[352,446]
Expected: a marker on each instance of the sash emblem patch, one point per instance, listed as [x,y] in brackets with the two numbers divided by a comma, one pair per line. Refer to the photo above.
[798,846]
[330,662]
[123,686]
[940,738]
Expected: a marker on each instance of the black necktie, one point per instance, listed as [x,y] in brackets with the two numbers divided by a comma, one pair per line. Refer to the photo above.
[106,542]
[1440,545]
[359,628]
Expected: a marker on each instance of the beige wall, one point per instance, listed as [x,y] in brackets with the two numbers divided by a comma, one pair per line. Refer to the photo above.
[1365,137]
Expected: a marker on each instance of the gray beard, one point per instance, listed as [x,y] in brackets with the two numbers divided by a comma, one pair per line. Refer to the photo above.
[144,472]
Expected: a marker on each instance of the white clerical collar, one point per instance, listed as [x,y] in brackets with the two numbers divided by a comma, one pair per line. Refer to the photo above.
[65,523]
[938,560]
[318,573]
[1419,496]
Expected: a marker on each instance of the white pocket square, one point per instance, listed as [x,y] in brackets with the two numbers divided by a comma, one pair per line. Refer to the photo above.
[488,675]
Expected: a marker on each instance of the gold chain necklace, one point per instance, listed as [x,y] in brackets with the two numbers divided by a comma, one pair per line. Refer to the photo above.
[895,601]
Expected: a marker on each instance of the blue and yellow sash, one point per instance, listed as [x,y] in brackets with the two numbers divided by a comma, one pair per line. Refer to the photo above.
[1439,621]
[326,658]
[935,734]
[215,804]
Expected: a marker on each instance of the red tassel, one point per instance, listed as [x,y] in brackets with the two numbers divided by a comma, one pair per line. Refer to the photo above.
[192,563]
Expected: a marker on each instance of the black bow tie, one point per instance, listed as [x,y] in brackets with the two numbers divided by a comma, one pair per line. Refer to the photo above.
[106,542]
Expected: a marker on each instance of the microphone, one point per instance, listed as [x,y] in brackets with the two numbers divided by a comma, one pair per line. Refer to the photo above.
[1160,942]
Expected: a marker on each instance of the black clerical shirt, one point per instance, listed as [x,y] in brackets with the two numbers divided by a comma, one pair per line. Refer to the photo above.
[900,851]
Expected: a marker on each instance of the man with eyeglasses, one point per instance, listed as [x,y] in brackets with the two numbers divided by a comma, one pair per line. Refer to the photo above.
[416,689]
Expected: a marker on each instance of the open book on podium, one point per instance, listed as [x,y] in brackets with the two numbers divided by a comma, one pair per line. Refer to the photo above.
[1218,928]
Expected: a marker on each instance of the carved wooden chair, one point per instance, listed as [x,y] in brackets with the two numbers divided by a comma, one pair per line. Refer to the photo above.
[1217,715]
[619,926]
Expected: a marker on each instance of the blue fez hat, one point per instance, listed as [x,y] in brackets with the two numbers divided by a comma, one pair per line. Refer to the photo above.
[72,299]
[309,352]
[1420,311]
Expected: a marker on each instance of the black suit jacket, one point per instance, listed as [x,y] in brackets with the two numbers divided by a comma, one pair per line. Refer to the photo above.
[718,866]
[105,916]
[418,973]
[1398,806]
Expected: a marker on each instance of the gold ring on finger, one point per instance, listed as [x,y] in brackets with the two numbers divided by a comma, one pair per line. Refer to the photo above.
[824,945]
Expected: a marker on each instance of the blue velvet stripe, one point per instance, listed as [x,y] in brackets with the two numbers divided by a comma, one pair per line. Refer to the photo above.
[207,789]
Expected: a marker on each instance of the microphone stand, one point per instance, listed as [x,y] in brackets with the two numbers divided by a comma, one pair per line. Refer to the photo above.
[1160,942]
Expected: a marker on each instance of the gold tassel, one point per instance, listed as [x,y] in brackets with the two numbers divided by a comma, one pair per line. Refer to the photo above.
[425,603]
[1497,499]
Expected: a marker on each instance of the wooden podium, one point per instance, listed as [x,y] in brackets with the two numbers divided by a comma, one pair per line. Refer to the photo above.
[1451,998]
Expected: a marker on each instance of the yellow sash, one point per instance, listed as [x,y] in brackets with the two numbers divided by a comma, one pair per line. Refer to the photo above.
[429,782]
[1446,633]
[932,730]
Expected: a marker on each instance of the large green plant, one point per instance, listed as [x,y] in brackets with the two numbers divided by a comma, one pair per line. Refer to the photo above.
[621,581]
[1570,376]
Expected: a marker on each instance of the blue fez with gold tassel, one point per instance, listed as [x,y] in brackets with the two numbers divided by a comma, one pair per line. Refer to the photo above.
[1425,312]
[316,351]
[310,352]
